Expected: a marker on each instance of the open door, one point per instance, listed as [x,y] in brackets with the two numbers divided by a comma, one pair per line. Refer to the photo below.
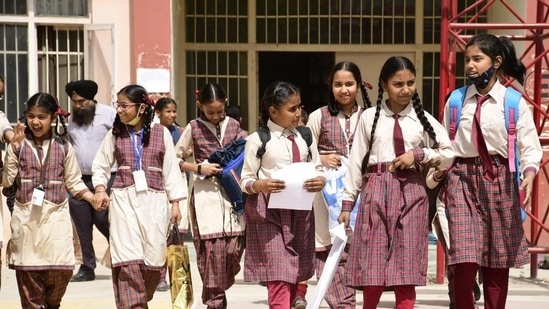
[100,51]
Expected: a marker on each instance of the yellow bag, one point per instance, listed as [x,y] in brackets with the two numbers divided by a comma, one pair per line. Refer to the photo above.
[177,258]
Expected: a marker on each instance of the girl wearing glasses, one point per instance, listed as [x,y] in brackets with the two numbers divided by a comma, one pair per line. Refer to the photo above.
[147,181]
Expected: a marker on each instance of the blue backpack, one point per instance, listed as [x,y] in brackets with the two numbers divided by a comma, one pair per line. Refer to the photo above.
[511,102]
[231,159]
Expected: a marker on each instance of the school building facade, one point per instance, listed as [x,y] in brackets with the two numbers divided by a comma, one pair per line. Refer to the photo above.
[173,47]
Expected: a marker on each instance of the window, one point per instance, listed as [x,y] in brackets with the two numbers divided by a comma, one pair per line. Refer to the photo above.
[227,68]
[13,7]
[60,59]
[61,7]
[14,67]
[216,21]
[336,22]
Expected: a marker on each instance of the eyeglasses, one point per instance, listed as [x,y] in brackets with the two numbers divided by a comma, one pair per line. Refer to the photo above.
[123,106]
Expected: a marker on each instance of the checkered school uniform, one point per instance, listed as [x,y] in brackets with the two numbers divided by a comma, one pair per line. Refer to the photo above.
[332,137]
[41,246]
[484,217]
[389,246]
[139,220]
[279,242]
[151,161]
[218,233]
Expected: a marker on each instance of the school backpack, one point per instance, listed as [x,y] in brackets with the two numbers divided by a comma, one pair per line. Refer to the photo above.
[231,159]
[511,102]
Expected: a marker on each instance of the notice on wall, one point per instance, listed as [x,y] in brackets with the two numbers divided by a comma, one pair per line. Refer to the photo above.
[154,80]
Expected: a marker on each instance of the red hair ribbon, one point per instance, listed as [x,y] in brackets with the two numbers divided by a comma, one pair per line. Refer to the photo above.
[148,100]
[62,112]
[368,85]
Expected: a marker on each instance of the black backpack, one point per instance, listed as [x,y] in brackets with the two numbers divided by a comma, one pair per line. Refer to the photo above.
[265,136]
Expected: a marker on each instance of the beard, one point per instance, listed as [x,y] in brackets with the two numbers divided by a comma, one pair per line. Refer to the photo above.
[83,116]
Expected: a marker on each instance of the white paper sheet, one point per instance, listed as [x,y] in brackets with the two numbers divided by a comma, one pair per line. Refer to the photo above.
[294,196]
[338,246]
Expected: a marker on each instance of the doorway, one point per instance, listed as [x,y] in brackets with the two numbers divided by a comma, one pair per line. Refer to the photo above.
[307,70]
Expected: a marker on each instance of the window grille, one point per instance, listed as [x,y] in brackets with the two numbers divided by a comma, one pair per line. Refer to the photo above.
[60,59]
[14,67]
[227,68]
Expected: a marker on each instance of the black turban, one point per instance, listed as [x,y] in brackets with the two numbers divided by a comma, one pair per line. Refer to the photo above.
[84,88]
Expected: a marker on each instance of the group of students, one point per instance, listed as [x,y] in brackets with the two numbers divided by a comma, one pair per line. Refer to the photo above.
[284,246]
[390,243]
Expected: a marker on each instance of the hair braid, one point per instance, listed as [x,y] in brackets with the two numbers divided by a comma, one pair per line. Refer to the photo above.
[147,121]
[418,107]
[365,96]
[374,125]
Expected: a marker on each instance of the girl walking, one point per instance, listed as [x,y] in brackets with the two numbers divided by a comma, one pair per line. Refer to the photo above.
[279,242]
[481,193]
[147,181]
[165,110]
[218,232]
[334,126]
[41,246]
[389,247]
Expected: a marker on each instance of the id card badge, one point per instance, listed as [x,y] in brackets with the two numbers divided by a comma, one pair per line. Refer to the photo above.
[38,196]
[140,181]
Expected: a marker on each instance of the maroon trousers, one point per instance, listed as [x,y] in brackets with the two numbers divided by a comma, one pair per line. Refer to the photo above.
[134,285]
[281,294]
[405,296]
[495,283]
[42,287]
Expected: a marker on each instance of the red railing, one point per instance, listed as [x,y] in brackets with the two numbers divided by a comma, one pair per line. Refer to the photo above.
[535,57]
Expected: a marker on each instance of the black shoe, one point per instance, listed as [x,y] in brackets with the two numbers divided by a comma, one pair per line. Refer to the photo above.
[83,275]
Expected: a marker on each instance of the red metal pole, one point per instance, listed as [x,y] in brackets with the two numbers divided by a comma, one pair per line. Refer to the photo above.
[443,90]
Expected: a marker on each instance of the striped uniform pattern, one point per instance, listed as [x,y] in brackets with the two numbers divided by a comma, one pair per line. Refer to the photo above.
[134,284]
[218,264]
[280,243]
[338,294]
[205,142]
[29,173]
[484,217]
[331,135]
[151,161]
[389,247]
[42,287]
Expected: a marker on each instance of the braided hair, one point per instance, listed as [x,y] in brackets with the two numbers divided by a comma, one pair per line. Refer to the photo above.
[276,95]
[390,68]
[50,104]
[348,66]
[137,94]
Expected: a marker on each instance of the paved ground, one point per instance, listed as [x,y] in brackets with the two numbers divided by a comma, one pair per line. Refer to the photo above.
[524,293]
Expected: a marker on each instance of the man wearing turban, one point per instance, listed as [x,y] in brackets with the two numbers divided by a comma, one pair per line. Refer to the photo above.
[87,127]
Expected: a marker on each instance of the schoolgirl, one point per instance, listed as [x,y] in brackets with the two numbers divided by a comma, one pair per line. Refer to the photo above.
[44,165]
[165,110]
[279,242]
[218,232]
[147,181]
[389,247]
[333,127]
[481,194]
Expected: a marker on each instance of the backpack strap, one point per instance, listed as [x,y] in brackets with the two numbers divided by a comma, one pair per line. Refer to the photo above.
[264,136]
[456,102]
[307,135]
[512,100]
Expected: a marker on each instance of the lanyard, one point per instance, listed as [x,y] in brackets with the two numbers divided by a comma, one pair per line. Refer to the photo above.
[137,149]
